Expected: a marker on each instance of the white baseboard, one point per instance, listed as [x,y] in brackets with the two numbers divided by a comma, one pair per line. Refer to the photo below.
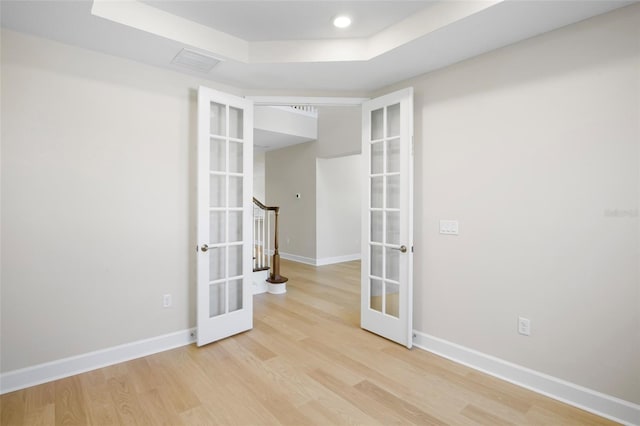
[54,370]
[337,259]
[587,399]
[320,262]
[277,288]
[300,259]
[259,281]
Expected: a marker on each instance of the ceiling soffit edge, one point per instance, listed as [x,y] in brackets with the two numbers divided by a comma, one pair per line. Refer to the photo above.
[147,18]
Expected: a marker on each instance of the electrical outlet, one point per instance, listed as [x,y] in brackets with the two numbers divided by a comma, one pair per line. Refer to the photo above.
[166,301]
[524,326]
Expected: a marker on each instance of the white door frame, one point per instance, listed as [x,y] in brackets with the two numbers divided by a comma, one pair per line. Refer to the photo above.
[355,101]
[305,100]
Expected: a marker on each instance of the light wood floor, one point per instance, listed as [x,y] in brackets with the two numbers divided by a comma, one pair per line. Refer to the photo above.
[305,362]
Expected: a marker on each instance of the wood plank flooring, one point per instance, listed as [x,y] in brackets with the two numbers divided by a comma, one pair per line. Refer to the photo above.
[305,362]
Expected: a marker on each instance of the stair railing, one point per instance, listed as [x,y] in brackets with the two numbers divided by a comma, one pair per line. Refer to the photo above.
[262,242]
[261,229]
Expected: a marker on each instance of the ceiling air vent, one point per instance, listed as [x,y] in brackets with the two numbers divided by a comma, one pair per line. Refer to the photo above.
[195,61]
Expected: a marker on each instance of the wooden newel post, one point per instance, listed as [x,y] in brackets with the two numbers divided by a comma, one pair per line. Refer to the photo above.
[275,277]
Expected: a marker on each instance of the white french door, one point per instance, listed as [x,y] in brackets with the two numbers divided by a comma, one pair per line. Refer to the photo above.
[225,177]
[387,213]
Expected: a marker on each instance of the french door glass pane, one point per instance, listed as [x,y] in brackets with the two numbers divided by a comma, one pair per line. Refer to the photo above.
[376,261]
[235,226]
[393,192]
[392,295]
[235,295]
[392,264]
[393,155]
[393,120]
[235,261]
[218,120]
[235,157]
[376,227]
[218,155]
[376,192]
[235,191]
[375,295]
[216,263]
[216,227]
[377,124]
[216,299]
[235,123]
[377,152]
[393,228]
[217,191]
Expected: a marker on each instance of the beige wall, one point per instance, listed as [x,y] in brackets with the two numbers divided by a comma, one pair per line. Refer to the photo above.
[98,200]
[339,131]
[259,182]
[533,148]
[289,171]
[338,186]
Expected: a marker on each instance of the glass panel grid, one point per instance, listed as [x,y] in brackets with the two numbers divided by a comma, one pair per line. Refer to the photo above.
[217,225]
[392,299]
[384,237]
[376,261]
[218,119]
[377,124]
[235,157]
[377,157]
[375,295]
[217,155]
[235,191]
[217,263]
[234,219]
[226,256]
[234,268]
[376,226]
[216,299]
[235,295]
[217,192]
[392,151]
[392,120]
[236,123]
[392,228]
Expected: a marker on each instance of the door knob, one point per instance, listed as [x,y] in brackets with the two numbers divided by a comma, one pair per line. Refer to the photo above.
[403,249]
[204,247]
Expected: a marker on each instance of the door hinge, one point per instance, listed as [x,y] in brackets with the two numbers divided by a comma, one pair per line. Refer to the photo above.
[411,249]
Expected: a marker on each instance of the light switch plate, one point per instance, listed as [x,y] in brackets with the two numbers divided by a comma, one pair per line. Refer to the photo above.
[449,227]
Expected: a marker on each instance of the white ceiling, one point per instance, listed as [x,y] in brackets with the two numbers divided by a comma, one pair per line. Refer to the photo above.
[265,140]
[417,37]
[292,20]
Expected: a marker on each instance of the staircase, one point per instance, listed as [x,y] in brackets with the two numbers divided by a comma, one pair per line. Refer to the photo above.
[266,259]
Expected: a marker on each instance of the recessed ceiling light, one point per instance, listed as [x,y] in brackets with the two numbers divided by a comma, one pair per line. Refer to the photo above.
[342,21]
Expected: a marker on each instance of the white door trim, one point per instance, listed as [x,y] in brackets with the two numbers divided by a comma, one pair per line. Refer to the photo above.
[305,100]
